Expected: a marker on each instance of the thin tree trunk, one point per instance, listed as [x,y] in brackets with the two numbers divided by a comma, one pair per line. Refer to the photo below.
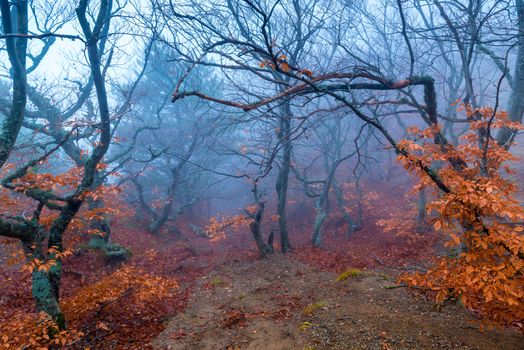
[102,225]
[320,217]
[360,208]
[339,196]
[421,212]
[282,179]
[516,102]
[255,227]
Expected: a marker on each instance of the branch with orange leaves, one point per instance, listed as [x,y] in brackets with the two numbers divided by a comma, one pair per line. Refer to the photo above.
[43,196]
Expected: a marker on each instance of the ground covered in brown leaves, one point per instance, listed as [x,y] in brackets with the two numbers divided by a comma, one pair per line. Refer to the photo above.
[229,298]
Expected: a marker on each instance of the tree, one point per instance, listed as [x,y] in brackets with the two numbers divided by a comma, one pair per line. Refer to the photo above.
[43,241]
[16,47]
[344,86]
[183,135]
[516,102]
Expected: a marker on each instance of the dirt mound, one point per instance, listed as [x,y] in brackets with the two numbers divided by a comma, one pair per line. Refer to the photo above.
[279,303]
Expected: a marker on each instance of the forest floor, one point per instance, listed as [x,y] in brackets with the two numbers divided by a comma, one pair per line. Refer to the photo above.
[228,298]
[280,303]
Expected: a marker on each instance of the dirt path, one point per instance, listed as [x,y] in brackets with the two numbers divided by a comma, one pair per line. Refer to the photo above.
[280,303]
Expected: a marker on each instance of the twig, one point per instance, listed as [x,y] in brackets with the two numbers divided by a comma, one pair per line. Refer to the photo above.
[42,36]
[107,303]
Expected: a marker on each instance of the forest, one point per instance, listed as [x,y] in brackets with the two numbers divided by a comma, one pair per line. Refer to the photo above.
[261,174]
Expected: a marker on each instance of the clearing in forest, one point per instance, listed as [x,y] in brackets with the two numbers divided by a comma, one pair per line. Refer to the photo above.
[279,303]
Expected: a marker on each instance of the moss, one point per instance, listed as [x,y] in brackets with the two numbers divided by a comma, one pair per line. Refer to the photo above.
[305,325]
[97,243]
[60,321]
[82,246]
[387,278]
[113,252]
[216,281]
[392,287]
[311,308]
[350,273]
[116,253]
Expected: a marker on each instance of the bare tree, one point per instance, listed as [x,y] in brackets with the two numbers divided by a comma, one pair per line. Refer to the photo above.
[30,231]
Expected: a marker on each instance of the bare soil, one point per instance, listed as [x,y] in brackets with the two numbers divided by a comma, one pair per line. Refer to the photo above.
[282,304]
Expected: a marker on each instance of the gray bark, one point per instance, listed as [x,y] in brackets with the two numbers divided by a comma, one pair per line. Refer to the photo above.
[255,227]
[320,217]
[339,196]
[160,219]
[284,136]
[516,102]
[16,50]
[421,207]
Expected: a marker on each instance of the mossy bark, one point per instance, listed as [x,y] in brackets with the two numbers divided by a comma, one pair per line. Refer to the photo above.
[46,293]
[45,282]
[317,227]
[14,21]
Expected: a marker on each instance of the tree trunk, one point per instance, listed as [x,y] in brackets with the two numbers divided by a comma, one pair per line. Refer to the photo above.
[113,252]
[421,213]
[282,179]
[255,226]
[176,173]
[159,220]
[46,292]
[360,208]
[16,49]
[102,225]
[45,284]
[339,196]
[516,102]
[158,223]
[320,217]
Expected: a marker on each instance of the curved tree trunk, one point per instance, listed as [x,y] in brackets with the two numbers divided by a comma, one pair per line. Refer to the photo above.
[102,225]
[255,227]
[113,252]
[176,173]
[16,50]
[156,225]
[46,284]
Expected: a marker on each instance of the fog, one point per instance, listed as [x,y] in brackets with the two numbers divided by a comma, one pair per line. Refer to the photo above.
[138,135]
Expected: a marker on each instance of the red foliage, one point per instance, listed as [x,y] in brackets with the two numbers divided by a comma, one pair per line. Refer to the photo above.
[100,300]
[371,246]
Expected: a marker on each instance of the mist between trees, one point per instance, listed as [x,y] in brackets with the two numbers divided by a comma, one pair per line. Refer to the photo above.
[197,118]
